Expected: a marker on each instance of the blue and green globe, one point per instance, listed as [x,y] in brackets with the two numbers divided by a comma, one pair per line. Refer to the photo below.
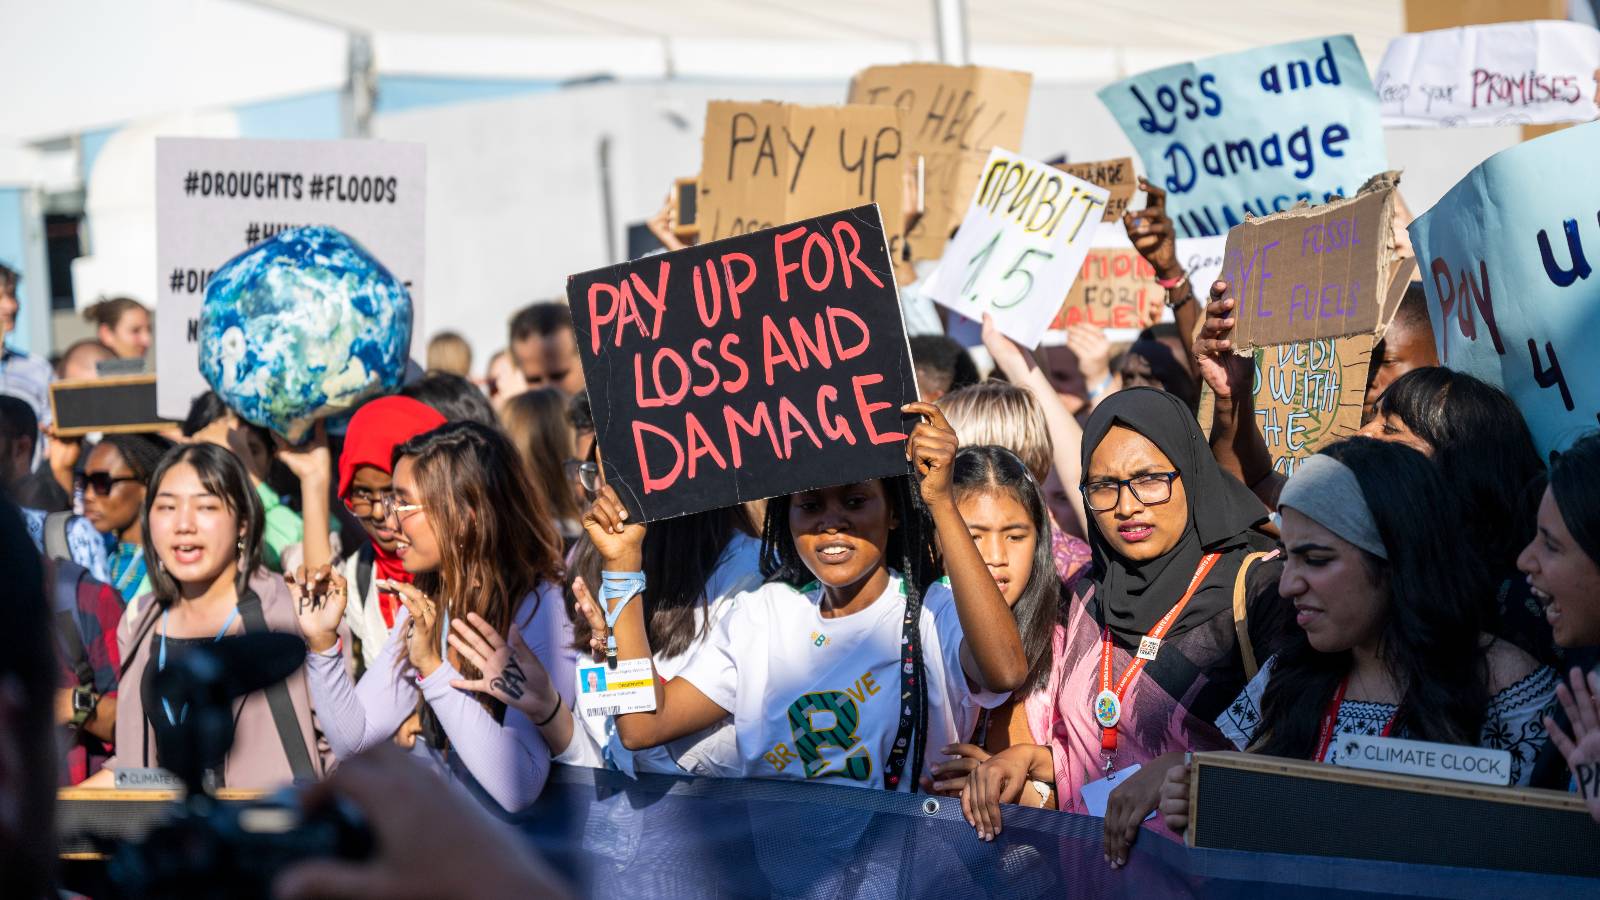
[301,327]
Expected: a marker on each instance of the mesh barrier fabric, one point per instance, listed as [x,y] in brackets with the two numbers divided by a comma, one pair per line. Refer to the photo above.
[664,837]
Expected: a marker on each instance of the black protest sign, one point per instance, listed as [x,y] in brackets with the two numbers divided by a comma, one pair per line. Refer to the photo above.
[760,365]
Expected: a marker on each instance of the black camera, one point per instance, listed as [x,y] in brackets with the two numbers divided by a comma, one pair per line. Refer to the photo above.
[215,848]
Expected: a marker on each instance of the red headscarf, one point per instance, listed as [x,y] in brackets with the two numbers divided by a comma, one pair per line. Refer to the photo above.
[374,431]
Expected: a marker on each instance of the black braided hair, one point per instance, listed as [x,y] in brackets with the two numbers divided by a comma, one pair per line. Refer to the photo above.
[911,549]
[142,452]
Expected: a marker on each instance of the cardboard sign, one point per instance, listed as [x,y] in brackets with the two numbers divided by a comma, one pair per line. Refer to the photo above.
[216,198]
[755,366]
[1375,753]
[1253,133]
[683,202]
[116,405]
[1507,260]
[1518,73]
[1312,272]
[954,115]
[1115,289]
[1309,394]
[1432,15]
[1024,238]
[767,163]
[1115,175]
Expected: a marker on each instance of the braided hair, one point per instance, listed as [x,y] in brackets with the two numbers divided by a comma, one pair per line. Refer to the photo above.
[910,549]
[142,452]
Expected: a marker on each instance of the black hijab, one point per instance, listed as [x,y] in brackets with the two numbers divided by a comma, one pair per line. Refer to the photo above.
[1132,596]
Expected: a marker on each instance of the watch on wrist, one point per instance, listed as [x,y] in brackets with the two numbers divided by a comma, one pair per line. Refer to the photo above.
[84,701]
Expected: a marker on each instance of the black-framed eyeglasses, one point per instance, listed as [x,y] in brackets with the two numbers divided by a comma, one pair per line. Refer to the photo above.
[1150,488]
[103,483]
[361,501]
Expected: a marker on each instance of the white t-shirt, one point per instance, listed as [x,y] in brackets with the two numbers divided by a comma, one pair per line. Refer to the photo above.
[709,752]
[815,698]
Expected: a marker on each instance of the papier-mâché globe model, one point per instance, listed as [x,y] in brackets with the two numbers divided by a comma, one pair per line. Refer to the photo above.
[303,326]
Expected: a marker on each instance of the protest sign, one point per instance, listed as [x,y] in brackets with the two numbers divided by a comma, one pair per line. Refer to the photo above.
[1253,132]
[767,163]
[1024,238]
[217,198]
[954,115]
[1507,259]
[1517,73]
[1309,394]
[1115,175]
[755,366]
[1115,289]
[1202,262]
[115,405]
[1311,272]
[1432,15]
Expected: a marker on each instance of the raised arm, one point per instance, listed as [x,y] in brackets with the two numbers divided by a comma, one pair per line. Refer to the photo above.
[991,654]
[353,717]
[1152,235]
[313,465]
[681,708]
[1236,442]
[1066,436]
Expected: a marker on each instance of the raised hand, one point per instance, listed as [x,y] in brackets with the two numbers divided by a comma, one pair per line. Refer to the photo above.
[951,776]
[421,650]
[1088,342]
[319,601]
[620,542]
[509,672]
[1152,234]
[931,448]
[310,461]
[1581,702]
[589,608]
[1225,372]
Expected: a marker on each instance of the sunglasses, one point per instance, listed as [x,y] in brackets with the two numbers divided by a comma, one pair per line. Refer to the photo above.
[103,483]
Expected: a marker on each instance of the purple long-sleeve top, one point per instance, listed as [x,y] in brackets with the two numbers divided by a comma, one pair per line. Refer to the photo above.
[508,761]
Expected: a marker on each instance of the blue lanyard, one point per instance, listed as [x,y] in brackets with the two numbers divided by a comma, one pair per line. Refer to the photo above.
[161,662]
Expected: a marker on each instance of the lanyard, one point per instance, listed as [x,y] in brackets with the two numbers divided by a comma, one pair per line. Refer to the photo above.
[1108,703]
[1330,720]
[161,663]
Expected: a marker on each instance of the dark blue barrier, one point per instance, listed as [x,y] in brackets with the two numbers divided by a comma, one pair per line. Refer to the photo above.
[664,837]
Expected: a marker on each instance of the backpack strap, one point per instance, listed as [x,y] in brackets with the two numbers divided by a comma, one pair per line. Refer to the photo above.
[1241,625]
[56,545]
[294,745]
[68,578]
[364,560]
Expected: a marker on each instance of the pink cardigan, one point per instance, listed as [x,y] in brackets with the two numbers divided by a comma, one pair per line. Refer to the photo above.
[257,760]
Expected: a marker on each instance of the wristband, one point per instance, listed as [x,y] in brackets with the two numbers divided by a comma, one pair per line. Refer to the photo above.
[622,586]
[552,715]
[1170,283]
[1105,383]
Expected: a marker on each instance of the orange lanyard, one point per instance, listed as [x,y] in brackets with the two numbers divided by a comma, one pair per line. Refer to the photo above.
[1108,703]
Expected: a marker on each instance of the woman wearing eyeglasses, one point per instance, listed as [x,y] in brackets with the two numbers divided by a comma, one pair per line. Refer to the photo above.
[114,480]
[471,532]
[366,476]
[1160,636]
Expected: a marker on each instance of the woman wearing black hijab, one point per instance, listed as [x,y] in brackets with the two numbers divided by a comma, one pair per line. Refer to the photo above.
[1149,652]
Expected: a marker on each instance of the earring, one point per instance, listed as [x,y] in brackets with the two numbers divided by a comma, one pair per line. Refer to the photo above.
[241,546]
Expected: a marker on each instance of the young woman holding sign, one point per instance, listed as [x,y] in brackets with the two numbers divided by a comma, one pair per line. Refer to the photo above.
[1390,641]
[850,620]
[472,534]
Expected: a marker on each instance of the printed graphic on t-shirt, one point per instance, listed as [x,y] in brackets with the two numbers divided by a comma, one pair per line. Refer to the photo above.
[828,720]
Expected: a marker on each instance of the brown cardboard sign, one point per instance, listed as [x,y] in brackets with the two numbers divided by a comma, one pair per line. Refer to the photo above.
[1116,288]
[764,164]
[954,115]
[1309,394]
[1310,272]
[1115,175]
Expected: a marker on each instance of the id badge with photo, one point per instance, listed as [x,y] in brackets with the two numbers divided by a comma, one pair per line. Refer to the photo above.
[629,688]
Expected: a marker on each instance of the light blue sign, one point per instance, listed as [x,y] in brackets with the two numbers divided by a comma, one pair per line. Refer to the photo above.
[1253,132]
[1507,259]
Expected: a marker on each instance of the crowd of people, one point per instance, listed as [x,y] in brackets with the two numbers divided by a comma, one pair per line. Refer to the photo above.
[1072,587]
